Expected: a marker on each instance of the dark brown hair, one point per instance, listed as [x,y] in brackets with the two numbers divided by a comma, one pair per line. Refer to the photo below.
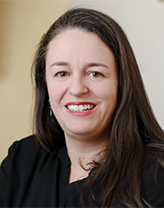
[134,130]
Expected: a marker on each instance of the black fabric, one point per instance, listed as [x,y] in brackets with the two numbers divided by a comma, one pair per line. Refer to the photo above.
[32,177]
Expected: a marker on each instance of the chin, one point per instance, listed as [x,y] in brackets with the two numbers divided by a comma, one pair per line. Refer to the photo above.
[80,131]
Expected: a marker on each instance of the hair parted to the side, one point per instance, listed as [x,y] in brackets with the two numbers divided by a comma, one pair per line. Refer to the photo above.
[134,129]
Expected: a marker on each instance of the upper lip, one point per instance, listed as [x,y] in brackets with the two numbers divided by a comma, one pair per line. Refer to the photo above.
[80,103]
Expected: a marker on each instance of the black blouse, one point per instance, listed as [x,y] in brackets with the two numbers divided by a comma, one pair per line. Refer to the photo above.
[32,177]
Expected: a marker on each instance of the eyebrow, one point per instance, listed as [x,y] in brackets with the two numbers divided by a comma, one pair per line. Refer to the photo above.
[96,64]
[60,63]
[91,64]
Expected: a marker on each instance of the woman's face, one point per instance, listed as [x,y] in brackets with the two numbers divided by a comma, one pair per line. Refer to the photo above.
[82,83]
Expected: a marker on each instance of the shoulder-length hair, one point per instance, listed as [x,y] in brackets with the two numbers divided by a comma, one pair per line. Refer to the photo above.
[134,129]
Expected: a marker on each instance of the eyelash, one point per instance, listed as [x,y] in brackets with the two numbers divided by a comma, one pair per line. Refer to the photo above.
[59,74]
[95,73]
[92,74]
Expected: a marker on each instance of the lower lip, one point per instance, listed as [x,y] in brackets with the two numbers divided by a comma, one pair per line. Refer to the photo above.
[81,114]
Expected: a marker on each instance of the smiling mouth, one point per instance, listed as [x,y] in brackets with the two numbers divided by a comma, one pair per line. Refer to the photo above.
[80,108]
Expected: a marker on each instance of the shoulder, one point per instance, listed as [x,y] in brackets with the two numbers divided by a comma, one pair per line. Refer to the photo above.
[26,147]
[152,169]
[152,183]
[27,168]
[29,143]
[28,153]
[25,154]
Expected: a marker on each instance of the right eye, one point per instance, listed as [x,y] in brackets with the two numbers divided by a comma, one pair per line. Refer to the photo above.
[62,74]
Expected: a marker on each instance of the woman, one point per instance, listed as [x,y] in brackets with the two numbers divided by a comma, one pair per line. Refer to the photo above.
[99,144]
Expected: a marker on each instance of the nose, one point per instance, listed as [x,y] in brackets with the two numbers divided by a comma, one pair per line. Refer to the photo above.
[78,86]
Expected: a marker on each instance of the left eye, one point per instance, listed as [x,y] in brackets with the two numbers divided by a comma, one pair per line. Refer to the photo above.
[95,74]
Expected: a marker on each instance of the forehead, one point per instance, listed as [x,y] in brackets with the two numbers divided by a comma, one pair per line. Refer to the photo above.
[74,34]
[76,41]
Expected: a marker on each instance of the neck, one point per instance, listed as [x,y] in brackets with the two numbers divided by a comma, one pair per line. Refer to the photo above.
[83,151]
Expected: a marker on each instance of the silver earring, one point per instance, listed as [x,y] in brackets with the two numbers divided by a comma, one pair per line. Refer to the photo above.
[50,108]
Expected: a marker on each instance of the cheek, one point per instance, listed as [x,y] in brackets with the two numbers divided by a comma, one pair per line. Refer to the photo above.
[53,92]
[107,92]
[109,98]
[109,101]
[56,94]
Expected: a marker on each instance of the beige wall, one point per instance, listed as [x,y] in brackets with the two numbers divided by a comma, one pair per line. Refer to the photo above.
[22,23]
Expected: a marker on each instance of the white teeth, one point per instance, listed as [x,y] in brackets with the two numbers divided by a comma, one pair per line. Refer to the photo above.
[80,108]
[85,107]
[75,108]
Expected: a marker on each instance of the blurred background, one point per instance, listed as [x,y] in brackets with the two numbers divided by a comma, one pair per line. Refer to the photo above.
[23,22]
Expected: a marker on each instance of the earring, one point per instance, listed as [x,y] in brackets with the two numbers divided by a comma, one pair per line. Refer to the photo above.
[50,108]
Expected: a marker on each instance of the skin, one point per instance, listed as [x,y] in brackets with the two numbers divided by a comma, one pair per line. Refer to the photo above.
[80,69]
